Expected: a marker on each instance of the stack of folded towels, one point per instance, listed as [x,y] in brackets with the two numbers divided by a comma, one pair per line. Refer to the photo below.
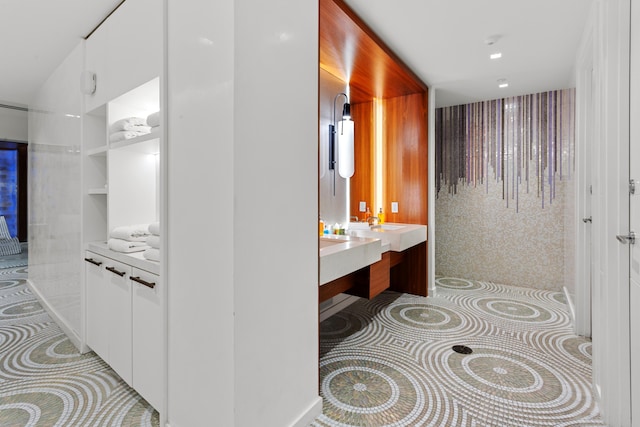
[128,128]
[127,239]
[153,242]
[153,120]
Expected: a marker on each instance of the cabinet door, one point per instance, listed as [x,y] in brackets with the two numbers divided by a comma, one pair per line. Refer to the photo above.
[118,302]
[148,337]
[96,311]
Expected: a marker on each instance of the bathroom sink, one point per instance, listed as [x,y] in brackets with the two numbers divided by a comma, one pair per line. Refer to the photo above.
[325,243]
[341,255]
[397,237]
[384,227]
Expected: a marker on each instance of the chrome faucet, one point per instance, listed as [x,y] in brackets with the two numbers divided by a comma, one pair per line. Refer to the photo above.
[372,220]
[353,217]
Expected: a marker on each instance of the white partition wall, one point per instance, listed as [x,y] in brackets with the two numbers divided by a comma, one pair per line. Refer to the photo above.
[54,194]
[242,157]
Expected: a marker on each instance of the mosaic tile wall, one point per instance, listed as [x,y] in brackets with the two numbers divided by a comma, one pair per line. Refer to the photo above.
[504,169]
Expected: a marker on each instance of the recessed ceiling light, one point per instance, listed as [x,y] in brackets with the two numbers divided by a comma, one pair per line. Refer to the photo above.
[502,83]
[495,55]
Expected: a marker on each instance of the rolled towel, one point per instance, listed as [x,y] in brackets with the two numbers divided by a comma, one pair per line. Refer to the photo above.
[126,247]
[128,134]
[154,241]
[152,254]
[153,119]
[155,130]
[129,123]
[154,228]
[131,233]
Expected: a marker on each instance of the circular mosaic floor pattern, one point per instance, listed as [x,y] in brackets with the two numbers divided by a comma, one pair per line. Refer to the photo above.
[372,390]
[526,368]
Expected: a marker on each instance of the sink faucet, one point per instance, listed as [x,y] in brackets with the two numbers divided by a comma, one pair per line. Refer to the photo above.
[354,218]
[372,220]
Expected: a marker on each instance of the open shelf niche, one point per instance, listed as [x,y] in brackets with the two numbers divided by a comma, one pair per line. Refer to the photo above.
[121,179]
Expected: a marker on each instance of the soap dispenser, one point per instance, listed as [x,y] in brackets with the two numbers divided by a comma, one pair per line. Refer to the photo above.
[380,217]
[367,215]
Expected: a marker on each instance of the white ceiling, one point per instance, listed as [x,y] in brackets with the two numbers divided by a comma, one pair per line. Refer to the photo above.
[36,35]
[441,40]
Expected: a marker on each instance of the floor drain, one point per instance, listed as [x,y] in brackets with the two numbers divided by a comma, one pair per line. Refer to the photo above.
[462,349]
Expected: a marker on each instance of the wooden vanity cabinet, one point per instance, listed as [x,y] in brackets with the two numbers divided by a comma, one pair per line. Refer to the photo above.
[398,271]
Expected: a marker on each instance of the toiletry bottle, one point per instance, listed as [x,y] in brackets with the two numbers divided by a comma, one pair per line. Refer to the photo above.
[380,217]
[367,215]
[321,227]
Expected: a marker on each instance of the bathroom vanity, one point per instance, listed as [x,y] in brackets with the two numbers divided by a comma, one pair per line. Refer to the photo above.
[373,259]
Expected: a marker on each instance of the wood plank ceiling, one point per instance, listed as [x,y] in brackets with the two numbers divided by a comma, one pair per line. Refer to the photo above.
[351,51]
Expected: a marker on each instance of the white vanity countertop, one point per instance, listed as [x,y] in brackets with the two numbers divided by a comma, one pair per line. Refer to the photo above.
[398,237]
[134,259]
[341,255]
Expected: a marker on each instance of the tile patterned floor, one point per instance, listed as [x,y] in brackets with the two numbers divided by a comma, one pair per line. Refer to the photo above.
[45,381]
[389,361]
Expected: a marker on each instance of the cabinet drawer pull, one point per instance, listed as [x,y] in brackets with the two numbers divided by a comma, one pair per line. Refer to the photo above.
[143,282]
[114,271]
[93,261]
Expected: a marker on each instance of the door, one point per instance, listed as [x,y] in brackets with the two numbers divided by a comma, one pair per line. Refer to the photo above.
[610,210]
[634,212]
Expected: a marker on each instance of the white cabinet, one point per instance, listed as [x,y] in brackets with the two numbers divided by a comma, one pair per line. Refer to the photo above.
[147,336]
[97,325]
[125,51]
[125,323]
[109,312]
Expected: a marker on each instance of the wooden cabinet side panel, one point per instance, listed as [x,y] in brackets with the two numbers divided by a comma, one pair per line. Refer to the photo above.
[410,276]
[405,154]
[379,275]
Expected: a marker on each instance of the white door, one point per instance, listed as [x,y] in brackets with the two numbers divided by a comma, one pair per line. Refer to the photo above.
[634,210]
[610,210]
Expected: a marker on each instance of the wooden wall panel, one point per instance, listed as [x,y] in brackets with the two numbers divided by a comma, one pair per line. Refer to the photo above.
[405,162]
[363,178]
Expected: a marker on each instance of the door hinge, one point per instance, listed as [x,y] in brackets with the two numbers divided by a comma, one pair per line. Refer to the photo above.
[630,238]
[632,186]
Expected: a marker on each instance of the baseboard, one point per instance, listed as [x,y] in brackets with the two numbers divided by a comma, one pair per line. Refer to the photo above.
[334,308]
[310,414]
[571,305]
[75,339]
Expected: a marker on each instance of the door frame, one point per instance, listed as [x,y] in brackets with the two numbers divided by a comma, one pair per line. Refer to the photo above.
[583,137]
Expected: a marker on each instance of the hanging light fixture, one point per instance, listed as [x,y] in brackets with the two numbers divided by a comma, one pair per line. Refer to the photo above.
[344,129]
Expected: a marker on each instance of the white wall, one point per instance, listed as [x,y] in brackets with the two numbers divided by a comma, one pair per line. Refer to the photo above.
[276,182]
[200,212]
[242,243]
[54,193]
[13,124]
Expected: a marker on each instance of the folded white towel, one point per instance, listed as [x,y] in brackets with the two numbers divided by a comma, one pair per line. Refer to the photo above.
[129,123]
[131,233]
[152,254]
[128,134]
[154,228]
[155,130]
[153,119]
[154,241]
[125,246]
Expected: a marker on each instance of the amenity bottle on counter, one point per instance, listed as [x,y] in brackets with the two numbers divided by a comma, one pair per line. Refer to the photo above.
[321,227]
[380,217]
